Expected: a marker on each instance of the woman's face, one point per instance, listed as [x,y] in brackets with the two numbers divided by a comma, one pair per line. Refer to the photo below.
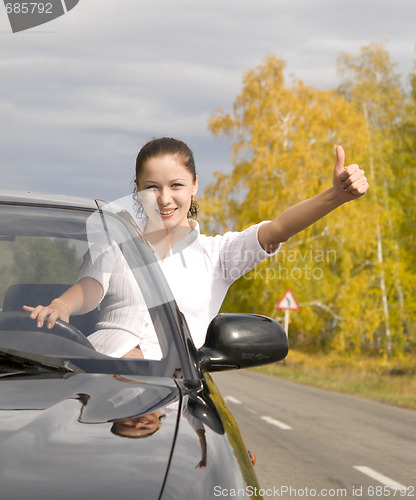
[166,188]
[138,427]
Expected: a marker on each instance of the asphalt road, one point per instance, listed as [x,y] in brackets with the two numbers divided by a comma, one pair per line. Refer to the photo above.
[315,443]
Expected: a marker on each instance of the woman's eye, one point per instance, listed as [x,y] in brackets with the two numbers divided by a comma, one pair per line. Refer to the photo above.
[177,185]
[152,186]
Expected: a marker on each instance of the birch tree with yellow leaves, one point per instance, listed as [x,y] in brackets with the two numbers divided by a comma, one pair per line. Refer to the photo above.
[403,160]
[283,151]
[372,85]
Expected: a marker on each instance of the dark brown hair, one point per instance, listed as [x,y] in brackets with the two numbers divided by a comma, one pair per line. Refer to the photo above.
[168,146]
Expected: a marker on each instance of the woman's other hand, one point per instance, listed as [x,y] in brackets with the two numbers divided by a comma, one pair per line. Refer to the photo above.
[57,309]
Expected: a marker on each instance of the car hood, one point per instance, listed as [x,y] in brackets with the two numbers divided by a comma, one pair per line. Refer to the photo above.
[56,436]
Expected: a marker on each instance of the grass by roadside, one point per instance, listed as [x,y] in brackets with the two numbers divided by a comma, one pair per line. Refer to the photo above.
[390,381]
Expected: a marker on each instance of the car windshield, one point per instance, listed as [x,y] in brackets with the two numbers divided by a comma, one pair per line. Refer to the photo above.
[46,249]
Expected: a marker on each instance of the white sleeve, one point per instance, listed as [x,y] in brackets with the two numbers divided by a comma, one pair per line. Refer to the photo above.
[240,252]
[99,266]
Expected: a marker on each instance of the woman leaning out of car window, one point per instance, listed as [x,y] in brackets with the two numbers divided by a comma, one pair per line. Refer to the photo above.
[198,268]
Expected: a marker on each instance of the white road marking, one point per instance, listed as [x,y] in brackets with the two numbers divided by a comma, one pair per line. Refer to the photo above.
[380,477]
[251,411]
[232,399]
[277,423]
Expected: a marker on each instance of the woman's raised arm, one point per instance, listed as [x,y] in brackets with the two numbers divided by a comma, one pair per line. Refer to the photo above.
[349,183]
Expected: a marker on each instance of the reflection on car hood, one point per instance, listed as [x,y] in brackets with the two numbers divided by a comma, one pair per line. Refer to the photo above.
[56,438]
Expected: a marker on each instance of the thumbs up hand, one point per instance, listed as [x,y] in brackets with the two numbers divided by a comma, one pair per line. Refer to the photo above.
[349,182]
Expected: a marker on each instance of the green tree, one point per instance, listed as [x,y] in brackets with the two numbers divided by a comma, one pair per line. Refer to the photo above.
[37,260]
[44,260]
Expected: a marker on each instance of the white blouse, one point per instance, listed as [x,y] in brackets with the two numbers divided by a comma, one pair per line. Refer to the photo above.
[199,271]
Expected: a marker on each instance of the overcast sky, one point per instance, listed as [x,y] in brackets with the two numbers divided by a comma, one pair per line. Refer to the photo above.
[80,95]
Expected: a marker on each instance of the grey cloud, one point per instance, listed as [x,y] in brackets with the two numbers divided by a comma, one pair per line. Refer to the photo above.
[82,94]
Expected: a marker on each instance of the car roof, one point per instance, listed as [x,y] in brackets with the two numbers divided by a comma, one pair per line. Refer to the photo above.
[43,199]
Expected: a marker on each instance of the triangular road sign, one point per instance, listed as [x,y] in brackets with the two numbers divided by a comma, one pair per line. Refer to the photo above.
[288,301]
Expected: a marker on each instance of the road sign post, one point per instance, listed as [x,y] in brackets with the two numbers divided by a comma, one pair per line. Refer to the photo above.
[287,322]
[287,303]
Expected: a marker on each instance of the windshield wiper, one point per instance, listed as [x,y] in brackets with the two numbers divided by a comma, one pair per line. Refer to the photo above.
[28,360]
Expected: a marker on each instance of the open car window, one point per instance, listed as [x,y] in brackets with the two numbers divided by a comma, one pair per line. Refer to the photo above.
[44,250]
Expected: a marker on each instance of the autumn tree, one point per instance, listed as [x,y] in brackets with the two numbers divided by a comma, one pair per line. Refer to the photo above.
[283,140]
[372,85]
[403,160]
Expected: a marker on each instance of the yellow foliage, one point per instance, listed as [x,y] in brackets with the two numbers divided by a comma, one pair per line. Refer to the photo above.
[283,152]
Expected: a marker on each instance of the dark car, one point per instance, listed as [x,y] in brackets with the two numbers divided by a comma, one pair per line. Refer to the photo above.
[75,423]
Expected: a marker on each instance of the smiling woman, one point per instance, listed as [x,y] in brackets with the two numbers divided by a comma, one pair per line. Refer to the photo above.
[198,268]
[165,191]
[166,185]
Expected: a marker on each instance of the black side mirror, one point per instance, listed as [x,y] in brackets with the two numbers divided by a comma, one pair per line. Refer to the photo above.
[242,340]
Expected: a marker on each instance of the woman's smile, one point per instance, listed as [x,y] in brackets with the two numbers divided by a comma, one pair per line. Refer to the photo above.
[166,213]
[166,189]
